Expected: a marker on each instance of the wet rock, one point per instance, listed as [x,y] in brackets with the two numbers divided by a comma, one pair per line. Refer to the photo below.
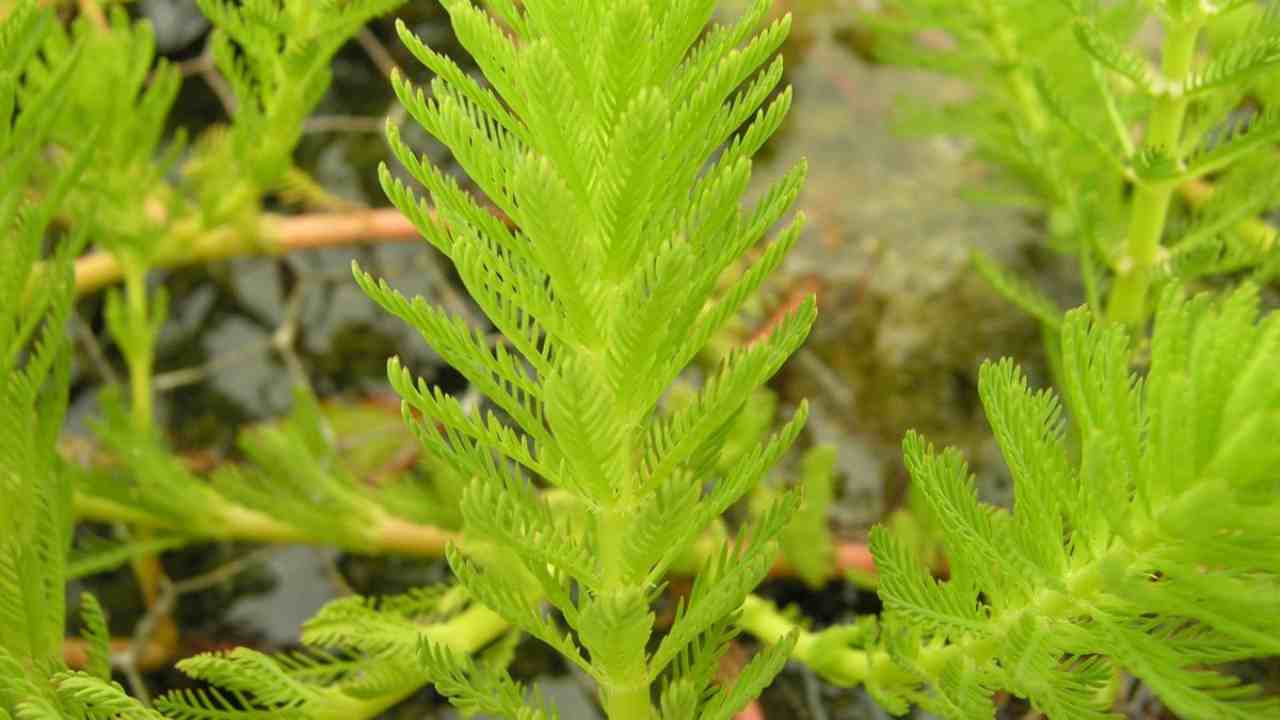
[304,583]
[177,23]
[904,321]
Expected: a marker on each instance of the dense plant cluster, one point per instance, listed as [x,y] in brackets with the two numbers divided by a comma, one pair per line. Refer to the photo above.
[607,147]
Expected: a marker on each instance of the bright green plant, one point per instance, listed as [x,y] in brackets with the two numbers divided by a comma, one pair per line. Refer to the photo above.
[617,137]
[663,462]
[276,57]
[806,543]
[1155,552]
[605,222]
[35,300]
[34,522]
[123,130]
[604,295]
[1147,547]
[1137,547]
[1105,141]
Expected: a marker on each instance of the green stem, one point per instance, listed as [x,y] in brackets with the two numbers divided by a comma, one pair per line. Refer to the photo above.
[390,535]
[140,356]
[465,634]
[625,695]
[1128,301]
[470,630]
[1025,95]
[1028,100]
[845,666]
[629,702]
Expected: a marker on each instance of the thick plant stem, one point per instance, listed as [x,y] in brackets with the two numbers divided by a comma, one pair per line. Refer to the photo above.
[390,536]
[629,703]
[1128,301]
[765,621]
[626,696]
[466,634]
[846,666]
[399,536]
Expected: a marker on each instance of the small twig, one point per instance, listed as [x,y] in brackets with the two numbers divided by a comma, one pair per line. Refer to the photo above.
[174,379]
[377,52]
[208,70]
[796,294]
[157,620]
[137,686]
[86,338]
[285,338]
[154,640]
[813,695]
[344,124]
[833,386]
[222,573]
[197,65]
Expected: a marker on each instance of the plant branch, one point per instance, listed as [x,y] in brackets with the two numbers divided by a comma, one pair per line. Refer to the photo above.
[1128,301]
[765,621]
[277,234]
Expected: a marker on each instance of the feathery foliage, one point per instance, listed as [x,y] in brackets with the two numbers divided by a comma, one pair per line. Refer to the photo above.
[35,299]
[1105,140]
[35,522]
[611,134]
[617,137]
[1154,552]
[275,55]
[292,487]
[362,657]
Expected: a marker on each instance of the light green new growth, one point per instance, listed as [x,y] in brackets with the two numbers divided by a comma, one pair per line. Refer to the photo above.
[806,543]
[599,139]
[1154,553]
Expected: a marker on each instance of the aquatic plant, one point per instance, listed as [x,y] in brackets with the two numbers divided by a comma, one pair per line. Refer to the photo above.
[615,140]
[1148,164]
